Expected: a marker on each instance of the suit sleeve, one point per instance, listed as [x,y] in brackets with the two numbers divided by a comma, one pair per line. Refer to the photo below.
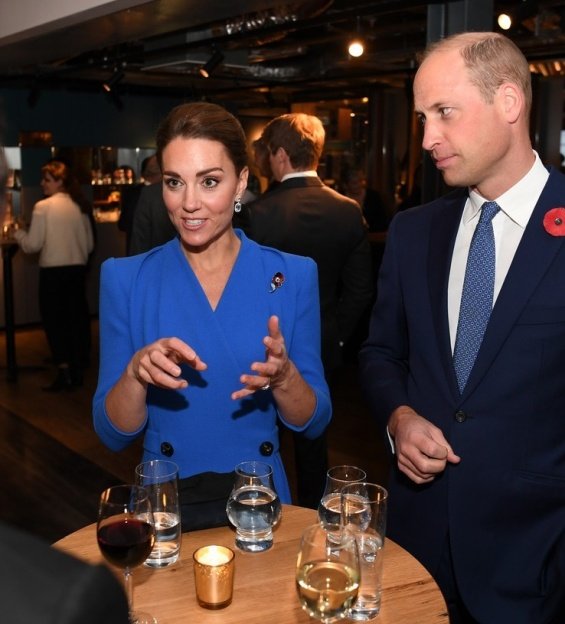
[383,357]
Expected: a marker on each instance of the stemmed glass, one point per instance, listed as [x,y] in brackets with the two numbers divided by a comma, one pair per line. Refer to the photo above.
[126,534]
[329,509]
[327,577]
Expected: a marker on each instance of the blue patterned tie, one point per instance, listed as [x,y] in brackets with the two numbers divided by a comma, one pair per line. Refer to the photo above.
[477,297]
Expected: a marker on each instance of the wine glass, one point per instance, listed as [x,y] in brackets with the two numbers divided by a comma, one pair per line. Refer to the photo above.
[126,534]
[327,572]
[329,509]
[253,506]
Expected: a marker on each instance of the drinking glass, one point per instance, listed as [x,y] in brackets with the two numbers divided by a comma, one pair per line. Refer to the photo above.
[363,512]
[327,576]
[253,506]
[329,509]
[126,532]
[160,478]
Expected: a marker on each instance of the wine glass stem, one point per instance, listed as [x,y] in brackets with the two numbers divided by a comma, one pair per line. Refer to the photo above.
[128,579]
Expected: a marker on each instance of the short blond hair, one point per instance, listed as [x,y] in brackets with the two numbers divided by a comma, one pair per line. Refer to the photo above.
[492,59]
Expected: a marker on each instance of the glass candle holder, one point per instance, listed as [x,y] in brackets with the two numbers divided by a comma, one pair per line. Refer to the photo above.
[213,576]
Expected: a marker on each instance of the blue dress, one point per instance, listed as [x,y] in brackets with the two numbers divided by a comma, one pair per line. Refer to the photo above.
[156,295]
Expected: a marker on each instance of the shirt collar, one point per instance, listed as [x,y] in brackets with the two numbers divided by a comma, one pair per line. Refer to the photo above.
[299,174]
[519,201]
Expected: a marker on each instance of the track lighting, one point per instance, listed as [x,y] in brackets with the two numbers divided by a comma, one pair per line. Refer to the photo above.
[211,64]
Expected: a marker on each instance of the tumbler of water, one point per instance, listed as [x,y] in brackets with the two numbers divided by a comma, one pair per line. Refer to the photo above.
[160,478]
[253,506]
[363,513]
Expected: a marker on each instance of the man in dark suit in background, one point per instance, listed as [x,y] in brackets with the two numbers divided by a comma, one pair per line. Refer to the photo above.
[151,223]
[478,495]
[151,174]
[302,215]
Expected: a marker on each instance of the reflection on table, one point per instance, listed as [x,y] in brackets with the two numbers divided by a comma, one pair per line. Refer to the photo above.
[264,586]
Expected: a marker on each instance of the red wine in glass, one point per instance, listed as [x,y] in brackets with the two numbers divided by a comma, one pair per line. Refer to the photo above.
[126,534]
[127,542]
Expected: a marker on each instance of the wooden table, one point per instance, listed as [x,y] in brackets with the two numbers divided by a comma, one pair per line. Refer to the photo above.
[264,589]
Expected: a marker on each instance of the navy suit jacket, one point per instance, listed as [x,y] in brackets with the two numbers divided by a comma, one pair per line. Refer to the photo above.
[503,506]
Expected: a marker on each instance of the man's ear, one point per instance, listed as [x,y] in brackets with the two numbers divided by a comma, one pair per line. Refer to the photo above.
[513,101]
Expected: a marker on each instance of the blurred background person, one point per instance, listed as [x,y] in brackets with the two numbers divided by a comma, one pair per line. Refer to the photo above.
[150,174]
[302,215]
[353,184]
[61,231]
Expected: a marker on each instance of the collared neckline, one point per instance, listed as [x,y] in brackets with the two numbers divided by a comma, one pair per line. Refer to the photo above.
[300,174]
[517,202]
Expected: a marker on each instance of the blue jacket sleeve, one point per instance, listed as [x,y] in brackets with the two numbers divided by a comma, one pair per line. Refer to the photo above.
[116,349]
[304,347]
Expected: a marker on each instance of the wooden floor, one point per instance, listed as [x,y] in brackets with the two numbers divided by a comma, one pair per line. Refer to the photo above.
[54,467]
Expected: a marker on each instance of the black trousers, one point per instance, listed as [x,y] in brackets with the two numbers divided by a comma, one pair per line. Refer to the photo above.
[65,315]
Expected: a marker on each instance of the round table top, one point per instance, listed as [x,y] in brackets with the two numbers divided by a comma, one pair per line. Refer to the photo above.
[264,585]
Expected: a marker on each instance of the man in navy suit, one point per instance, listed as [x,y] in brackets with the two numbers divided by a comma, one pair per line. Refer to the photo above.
[478,488]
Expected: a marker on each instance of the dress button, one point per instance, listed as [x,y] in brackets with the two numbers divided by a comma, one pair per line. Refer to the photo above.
[460,416]
[266,449]
[167,449]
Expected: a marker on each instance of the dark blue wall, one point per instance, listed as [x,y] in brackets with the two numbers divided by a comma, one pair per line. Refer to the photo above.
[84,119]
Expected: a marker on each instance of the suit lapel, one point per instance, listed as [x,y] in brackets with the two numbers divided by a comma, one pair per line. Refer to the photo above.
[442,239]
[535,253]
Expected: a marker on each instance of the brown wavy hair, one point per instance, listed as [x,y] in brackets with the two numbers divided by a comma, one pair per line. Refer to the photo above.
[59,170]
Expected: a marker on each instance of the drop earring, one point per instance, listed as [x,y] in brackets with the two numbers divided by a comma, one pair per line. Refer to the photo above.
[237,205]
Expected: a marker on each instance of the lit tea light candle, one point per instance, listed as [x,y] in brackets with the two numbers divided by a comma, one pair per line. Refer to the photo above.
[213,555]
[213,576]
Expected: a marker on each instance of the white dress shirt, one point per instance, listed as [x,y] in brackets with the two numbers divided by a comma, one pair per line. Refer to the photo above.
[516,207]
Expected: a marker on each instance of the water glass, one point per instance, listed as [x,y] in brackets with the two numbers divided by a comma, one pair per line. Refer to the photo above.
[329,509]
[160,478]
[327,577]
[253,506]
[363,512]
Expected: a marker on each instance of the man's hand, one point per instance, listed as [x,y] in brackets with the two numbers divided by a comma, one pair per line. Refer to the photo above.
[421,449]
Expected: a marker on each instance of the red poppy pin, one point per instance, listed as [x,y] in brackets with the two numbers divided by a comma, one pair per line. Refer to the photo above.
[554,221]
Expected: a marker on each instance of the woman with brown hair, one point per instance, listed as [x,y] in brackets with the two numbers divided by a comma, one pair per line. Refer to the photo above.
[209,341]
[62,233]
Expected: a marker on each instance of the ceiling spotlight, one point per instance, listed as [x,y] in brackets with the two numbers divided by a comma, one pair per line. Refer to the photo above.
[504,21]
[113,81]
[356,47]
[210,65]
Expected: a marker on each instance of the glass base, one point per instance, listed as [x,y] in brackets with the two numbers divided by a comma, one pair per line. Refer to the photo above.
[140,617]
[363,614]
[253,545]
[161,562]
